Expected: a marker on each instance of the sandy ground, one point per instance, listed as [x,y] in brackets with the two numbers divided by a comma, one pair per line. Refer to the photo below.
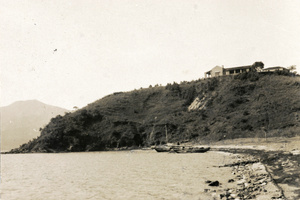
[270,144]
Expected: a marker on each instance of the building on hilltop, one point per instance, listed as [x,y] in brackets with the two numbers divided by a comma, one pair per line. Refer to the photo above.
[221,71]
[274,69]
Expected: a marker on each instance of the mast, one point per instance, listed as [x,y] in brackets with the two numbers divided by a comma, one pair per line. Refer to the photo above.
[166,128]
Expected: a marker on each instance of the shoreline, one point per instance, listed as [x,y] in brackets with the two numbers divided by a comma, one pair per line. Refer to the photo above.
[282,169]
[251,181]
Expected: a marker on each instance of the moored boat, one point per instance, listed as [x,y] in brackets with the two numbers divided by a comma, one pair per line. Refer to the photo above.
[180,149]
[190,149]
[162,148]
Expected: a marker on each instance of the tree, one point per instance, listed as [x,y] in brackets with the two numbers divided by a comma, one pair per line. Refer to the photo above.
[75,108]
[175,87]
[257,66]
[292,69]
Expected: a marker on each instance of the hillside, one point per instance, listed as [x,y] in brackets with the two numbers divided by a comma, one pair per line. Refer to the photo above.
[246,105]
[20,121]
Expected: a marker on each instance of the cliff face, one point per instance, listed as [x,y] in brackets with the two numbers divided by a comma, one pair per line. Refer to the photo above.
[247,105]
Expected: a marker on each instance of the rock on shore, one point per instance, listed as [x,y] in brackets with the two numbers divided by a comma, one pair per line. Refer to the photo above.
[252,181]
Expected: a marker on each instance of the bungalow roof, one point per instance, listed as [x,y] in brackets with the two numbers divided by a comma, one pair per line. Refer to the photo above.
[276,67]
[240,67]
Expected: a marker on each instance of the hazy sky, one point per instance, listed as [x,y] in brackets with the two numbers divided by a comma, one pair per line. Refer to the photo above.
[72,52]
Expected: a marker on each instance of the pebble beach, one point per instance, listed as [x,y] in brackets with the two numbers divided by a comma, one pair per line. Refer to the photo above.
[251,181]
[263,169]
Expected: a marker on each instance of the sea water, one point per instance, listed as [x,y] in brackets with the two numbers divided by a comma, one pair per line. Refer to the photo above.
[110,175]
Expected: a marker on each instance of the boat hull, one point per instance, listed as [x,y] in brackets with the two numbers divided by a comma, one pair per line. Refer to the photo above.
[162,148]
[181,149]
[192,150]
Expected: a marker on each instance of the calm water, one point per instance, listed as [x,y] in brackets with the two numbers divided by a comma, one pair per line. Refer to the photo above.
[110,175]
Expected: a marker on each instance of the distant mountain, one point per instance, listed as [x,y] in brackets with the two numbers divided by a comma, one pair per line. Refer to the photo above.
[21,121]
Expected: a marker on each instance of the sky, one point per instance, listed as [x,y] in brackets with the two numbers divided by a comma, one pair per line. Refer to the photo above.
[70,53]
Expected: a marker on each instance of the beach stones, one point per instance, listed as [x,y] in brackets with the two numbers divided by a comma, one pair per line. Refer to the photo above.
[206,190]
[230,181]
[251,181]
[214,183]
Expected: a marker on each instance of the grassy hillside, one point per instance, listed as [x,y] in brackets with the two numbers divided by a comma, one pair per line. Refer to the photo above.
[247,105]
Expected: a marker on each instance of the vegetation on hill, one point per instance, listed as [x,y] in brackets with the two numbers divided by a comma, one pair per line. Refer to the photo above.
[247,105]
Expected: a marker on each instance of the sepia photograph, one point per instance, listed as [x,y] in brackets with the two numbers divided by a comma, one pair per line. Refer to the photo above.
[150,99]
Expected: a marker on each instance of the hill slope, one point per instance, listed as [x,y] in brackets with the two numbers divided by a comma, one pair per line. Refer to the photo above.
[20,121]
[247,105]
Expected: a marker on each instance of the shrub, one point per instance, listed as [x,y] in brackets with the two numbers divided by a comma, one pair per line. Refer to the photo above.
[175,87]
[189,95]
